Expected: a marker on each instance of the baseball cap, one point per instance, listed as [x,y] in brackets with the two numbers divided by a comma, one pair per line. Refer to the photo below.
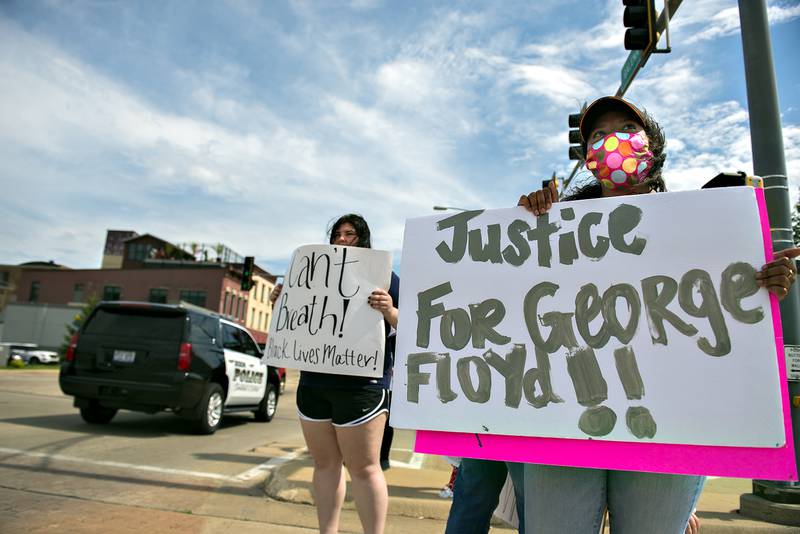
[600,106]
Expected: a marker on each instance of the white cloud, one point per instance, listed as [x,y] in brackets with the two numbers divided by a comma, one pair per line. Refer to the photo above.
[710,20]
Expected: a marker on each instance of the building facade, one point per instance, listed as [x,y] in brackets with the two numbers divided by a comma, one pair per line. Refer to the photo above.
[214,286]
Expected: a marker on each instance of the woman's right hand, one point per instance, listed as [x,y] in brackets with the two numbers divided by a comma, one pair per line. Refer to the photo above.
[539,202]
[275,293]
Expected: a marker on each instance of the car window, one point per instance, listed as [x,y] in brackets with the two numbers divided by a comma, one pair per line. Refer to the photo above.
[249,346]
[138,323]
[231,339]
[203,329]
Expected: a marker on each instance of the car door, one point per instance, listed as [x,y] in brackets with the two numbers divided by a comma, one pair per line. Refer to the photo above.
[247,376]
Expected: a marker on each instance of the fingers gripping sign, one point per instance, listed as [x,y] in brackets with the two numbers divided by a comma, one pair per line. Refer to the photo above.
[540,202]
[778,275]
[381,300]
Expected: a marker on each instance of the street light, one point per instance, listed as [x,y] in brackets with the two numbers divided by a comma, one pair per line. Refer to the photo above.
[445,208]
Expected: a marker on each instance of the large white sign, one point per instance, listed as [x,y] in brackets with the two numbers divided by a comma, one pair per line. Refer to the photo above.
[633,319]
[322,321]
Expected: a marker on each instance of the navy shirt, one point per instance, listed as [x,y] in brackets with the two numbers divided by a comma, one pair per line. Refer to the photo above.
[308,378]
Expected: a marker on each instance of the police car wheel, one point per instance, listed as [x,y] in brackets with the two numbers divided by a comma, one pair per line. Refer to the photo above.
[268,405]
[210,410]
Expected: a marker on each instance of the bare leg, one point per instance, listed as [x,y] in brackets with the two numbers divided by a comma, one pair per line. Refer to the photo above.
[361,446]
[328,479]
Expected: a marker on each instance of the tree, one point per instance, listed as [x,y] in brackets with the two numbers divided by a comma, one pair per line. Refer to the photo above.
[796,222]
[77,322]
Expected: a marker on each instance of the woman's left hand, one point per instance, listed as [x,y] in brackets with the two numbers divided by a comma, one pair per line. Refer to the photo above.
[380,300]
[778,275]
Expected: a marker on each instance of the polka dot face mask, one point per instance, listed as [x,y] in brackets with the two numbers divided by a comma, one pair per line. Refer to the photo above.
[620,160]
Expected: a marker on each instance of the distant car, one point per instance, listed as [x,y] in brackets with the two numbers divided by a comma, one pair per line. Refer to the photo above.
[7,349]
[36,357]
[155,357]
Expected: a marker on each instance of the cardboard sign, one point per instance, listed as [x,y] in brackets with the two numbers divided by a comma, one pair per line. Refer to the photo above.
[322,322]
[630,328]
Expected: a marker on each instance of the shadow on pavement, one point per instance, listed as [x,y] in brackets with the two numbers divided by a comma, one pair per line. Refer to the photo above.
[125,424]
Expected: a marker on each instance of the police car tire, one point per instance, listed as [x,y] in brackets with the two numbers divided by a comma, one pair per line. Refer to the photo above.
[97,415]
[268,405]
[213,400]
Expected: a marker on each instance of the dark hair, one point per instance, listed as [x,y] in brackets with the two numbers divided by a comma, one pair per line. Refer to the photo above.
[360,225]
[658,144]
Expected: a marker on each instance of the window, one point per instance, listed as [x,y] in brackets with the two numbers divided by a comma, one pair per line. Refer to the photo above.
[253,318]
[231,339]
[266,321]
[158,295]
[198,298]
[112,292]
[138,251]
[258,324]
[262,291]
[203,329]
[226,304]
[34,295]
[78,293]
[248,344]
[4,276]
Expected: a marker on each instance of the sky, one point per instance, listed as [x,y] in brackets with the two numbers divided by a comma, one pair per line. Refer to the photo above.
[256,124]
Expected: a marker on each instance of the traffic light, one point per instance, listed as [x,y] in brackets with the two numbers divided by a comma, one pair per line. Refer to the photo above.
[247,273]
[575,142]
[640,19]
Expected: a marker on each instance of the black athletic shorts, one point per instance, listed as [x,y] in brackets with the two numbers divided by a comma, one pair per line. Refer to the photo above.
[342,407]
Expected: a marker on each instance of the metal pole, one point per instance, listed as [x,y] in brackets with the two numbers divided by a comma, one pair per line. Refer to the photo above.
[769,163]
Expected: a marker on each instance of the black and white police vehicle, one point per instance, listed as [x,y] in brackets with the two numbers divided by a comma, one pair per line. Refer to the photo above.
[154,357]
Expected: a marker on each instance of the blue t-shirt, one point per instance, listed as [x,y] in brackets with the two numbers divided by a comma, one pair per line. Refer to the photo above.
[308,378]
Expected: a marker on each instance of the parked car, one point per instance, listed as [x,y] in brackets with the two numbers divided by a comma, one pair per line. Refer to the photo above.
[36,357]
[155,357]
[8,349]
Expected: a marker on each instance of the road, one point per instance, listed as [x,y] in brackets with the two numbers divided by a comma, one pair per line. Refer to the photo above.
[143,472]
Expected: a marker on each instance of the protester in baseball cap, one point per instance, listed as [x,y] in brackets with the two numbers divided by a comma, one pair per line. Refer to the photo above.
[624,151]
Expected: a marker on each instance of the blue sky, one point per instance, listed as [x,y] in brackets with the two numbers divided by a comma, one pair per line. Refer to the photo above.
[256,123]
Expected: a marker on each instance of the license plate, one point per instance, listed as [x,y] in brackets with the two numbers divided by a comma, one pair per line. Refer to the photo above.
[124,356]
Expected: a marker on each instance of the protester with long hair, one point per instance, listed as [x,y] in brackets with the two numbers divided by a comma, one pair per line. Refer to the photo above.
[624,150]
[343,417]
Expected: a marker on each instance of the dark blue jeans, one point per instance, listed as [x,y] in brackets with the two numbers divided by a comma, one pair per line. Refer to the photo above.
[477,492]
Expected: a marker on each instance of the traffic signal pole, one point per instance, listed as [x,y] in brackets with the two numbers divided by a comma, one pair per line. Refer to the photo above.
[635,62]
[772,501]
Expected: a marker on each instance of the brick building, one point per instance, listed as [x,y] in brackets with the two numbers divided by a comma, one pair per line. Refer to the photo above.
[154,270]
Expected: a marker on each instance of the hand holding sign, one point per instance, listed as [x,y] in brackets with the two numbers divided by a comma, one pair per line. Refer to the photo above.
[539,202]
[779,274]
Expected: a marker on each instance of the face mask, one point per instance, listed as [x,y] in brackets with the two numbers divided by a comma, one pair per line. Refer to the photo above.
[620,160]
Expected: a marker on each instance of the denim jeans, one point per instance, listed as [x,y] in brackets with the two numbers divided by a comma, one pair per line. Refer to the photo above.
[570,499]
[477,492]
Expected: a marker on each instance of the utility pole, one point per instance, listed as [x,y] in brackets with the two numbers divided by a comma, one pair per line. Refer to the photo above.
[778,502]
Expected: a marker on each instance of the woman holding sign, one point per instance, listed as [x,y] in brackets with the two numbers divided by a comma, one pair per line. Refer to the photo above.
[343,417]
[624,150]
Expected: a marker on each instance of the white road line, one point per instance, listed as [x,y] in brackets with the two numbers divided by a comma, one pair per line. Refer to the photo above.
[149,468]
[266,466]
[415,462]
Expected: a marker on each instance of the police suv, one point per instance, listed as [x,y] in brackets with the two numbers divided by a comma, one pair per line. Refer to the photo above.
[154,357]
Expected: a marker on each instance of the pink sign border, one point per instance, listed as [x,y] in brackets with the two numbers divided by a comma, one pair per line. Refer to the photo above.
[740,462]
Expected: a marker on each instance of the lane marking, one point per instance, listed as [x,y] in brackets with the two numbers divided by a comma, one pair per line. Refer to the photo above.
[274,462]
[267,466]
[415,462]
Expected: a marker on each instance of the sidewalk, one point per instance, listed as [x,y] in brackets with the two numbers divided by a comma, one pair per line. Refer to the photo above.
[415,482]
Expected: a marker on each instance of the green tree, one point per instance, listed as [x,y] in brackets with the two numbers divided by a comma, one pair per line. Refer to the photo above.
[76,323]
[796,222]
